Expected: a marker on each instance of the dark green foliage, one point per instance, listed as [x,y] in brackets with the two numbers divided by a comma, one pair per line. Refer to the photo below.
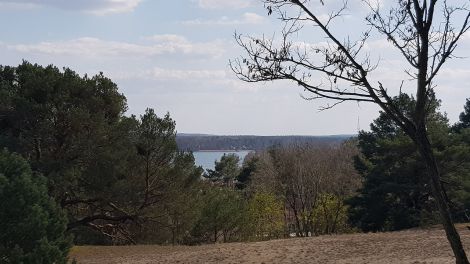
[173,217]
[396,193]
[182,201]
[153,151]
[64,124]
[221,215]
[32,228]
[456,170]
[464,118]
[107,170]
[246,173]
[226,170]
[50,114]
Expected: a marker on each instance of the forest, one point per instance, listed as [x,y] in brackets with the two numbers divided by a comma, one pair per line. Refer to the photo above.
[75,169]
[197,142]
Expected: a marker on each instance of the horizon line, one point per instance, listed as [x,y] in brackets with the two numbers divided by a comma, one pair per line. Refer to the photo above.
[253,135]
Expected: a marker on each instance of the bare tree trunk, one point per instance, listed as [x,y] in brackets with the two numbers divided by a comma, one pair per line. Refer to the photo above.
[298,232]
[298,225]
[286,222]
[335,220]
[453,236]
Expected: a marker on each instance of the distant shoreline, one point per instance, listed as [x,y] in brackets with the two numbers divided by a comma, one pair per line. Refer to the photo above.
[223,150]
[249,143]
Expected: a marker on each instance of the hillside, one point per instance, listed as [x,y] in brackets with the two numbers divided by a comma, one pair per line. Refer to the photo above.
[195,142]
[412,246]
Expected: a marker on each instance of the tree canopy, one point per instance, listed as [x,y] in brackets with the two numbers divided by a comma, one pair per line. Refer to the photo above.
[104,168]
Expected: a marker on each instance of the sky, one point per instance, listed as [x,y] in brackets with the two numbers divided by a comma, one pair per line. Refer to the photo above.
[173,56]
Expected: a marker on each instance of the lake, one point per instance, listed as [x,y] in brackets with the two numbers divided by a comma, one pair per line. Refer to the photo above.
[206,159]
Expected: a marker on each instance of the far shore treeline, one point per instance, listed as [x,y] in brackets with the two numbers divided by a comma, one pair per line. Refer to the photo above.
[75,169]
[202,142]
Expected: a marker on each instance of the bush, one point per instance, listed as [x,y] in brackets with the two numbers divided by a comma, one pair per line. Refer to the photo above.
[32,228]
[220,217]
[331,215]
[264,217]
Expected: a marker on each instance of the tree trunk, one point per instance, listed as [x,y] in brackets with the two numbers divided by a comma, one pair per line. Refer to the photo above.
[439,195]
[297,221]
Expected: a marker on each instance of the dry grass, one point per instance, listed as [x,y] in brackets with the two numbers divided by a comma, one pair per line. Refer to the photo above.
[412,246]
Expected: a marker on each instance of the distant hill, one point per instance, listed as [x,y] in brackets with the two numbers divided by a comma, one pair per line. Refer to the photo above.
[197,142]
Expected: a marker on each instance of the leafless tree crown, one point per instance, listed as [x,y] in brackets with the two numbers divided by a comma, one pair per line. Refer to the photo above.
[411,26]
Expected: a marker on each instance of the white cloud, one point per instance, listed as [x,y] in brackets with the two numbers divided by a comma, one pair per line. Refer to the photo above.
[97,7]
[466,36]
[247,18]
[172,74]
[253,18]
[15,6]
[451,74]
[94,47]
[381,45]
[222,4]
[116,6]
[218,79]
[168,38]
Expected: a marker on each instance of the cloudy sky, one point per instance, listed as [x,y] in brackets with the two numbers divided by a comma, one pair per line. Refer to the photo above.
[173,56]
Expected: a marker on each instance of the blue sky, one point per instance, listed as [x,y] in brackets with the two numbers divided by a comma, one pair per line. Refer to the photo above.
[173,56]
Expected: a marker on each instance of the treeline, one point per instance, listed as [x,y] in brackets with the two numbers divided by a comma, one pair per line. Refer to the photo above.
[196,142]
[88,170]
[288,191]
[75,169]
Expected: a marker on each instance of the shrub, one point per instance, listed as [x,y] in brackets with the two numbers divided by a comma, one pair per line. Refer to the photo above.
[264,217]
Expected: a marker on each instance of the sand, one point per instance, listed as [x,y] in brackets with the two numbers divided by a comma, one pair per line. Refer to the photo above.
[412,246]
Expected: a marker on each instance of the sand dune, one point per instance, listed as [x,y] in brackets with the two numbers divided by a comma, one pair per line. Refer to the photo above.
[412,246]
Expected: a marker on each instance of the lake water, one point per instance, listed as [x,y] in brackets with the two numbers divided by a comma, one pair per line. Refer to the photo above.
[206,159]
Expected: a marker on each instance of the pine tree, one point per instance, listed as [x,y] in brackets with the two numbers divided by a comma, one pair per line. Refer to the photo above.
[32,226]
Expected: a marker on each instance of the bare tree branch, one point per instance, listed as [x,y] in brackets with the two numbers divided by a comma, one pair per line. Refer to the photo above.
[409,27]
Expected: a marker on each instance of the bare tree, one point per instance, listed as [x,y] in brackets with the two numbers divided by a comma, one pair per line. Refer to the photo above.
[303,176]
[425,41]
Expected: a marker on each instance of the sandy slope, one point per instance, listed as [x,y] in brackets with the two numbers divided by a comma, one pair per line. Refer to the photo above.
[414,246]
